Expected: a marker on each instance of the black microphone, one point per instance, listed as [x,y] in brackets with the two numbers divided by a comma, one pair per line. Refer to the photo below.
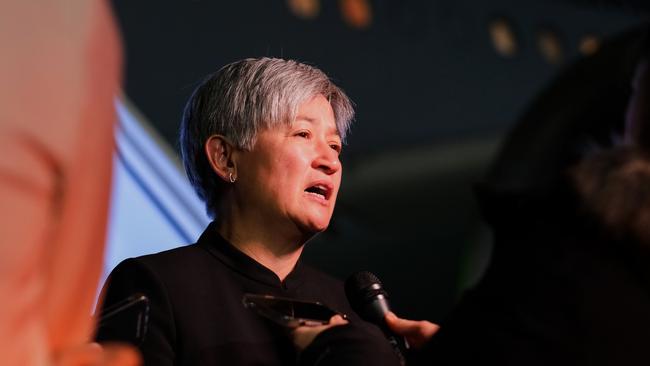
[368,298]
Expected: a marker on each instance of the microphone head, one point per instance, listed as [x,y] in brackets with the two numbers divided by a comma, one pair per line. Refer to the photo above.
[363,288]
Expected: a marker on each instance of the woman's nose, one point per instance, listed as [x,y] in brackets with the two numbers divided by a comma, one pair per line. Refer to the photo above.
[327,159]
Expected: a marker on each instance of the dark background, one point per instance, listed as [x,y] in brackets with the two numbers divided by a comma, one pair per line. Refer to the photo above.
[434,99]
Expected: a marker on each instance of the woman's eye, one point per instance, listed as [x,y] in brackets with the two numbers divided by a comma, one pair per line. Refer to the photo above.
[302,134]
[336,148]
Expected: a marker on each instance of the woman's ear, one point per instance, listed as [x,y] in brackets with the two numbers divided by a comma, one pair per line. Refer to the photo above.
[220,155]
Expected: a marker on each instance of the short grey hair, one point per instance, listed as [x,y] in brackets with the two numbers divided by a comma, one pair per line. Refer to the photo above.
[244,98]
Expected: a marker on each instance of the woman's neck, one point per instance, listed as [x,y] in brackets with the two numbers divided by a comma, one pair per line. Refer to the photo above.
[276,252]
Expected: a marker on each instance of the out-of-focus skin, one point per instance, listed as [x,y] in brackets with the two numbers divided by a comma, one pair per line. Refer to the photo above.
[94,354]
[57,91]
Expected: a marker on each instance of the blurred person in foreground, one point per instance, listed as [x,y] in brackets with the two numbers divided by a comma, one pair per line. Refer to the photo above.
[58,80]
[568,200]
[569,205]
[260,141]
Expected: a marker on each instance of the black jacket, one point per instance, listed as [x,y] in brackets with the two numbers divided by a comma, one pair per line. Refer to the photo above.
[197,316]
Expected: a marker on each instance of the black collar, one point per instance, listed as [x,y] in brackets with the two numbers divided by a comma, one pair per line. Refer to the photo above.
[239,262]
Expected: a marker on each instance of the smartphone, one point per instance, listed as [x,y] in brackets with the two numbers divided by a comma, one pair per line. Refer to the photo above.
[126,320]
[287,312]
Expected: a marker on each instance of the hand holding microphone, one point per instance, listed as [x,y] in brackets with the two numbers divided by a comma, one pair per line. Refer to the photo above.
[355,346]
[416,332]
[368,298]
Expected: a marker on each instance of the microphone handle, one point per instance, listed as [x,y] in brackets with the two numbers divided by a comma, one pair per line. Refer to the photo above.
[379,307]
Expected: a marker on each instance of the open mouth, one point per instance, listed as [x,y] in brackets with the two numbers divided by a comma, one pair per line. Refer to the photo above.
[319,190]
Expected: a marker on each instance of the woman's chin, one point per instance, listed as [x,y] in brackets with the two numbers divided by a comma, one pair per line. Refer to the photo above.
[312,228]
[311,223]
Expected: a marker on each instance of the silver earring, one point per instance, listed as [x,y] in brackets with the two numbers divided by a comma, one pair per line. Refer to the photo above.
[231,178]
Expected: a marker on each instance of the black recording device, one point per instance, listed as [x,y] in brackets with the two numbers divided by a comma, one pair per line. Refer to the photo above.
[288,312]
[126,320]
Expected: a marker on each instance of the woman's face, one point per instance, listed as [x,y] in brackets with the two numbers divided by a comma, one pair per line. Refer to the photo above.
[292,175]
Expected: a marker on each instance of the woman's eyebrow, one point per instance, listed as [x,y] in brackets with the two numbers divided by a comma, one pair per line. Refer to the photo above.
[334,131]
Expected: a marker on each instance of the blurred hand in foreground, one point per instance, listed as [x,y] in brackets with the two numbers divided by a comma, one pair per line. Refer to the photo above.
[94,354]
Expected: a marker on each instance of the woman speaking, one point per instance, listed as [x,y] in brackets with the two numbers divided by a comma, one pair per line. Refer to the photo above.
[260,142]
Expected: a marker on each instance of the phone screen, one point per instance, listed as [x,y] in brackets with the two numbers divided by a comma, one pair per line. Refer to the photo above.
[289,312]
